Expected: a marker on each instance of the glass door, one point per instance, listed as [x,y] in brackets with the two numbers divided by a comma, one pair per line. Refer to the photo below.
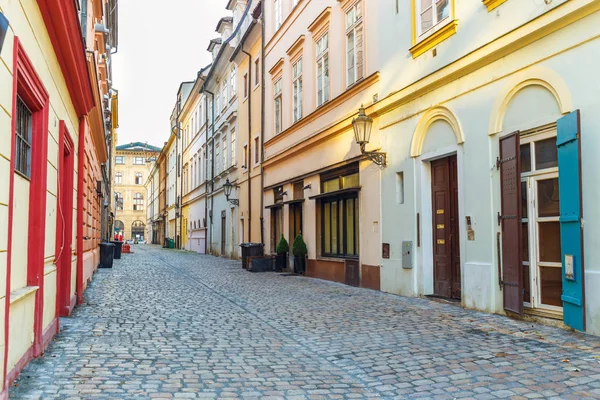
[542,267]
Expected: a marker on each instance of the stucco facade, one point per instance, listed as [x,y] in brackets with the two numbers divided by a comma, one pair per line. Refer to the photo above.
[53,167]
[463,97]
[133,163]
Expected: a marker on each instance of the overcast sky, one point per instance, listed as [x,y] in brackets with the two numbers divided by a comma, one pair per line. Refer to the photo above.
[161,44]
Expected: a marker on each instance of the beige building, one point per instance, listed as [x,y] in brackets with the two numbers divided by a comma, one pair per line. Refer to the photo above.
[132,164]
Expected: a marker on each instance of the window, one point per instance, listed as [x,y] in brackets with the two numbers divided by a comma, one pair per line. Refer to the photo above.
[225,159]
[323,70]
[138,202]
[297,89]
[138,161]
[23,139]
[256,72]
[118,178]
[354,44]
[119,201]
[218,102]
[245,85]
[224,96]
[233,149]
[119,160]
[277,106]
[430,13]
[232,82]
[217,158]
[256,151]
[278,11]
[139,178]
[339,226]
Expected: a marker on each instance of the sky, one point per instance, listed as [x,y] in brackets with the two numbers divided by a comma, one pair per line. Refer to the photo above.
[161,44]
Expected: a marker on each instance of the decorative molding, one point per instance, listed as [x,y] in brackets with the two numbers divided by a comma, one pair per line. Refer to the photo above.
[434,39]
[275,68]
[432,115]
[62,24]
[296,47]
[491,4]
[321,22]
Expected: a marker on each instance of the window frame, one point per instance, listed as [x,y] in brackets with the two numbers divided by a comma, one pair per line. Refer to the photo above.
[356,25]
[435,23]
[341,202]
[278,97]
[22,143]
[138,200]
[117,160]
[118,178]
[136,161]
[277,14]
[322,57]
[297,90]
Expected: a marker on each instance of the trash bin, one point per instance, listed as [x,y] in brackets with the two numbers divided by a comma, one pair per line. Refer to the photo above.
[118,247]
[250,250]
[107,252]
[171,243]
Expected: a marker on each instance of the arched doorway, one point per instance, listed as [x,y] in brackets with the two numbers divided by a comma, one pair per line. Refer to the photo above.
[119,227]
[138,229]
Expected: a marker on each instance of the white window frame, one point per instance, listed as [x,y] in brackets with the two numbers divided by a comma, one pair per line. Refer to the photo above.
[233,149]
[278,99]
[233,82]
[434,21]
[352,29]
[297,90]
[278,13]
[323,82]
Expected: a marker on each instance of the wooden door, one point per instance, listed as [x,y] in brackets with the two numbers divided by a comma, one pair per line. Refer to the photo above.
[446,245]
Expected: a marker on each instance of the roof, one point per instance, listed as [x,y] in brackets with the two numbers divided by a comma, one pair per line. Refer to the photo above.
[213,43]
[138,146]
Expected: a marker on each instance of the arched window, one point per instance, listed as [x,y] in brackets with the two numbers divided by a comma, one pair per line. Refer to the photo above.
[139,178]
[118,178]
[138,202]
[119,200]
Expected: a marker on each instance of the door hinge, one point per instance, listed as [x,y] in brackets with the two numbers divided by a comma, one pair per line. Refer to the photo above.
[501,161]
[502,217]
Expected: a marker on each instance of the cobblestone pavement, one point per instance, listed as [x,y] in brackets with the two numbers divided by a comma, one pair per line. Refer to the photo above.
[172,324]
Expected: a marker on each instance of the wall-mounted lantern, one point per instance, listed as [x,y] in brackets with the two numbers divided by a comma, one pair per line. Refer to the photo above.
[362,125]
[227,188]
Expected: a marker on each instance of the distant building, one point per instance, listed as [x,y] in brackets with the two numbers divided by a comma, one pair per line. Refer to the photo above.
[132,165]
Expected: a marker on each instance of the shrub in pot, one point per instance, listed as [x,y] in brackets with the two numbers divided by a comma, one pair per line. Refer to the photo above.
[282,249]
[299,251]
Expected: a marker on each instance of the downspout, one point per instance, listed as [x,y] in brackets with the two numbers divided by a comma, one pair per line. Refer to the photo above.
[80,190]
[212,165]
[180,172]
[262,126]
[249,144]
[206,178]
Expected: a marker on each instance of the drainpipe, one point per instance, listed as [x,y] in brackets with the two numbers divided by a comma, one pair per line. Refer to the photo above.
[262,126]
[180,173]
[249,144]
[206,178]
[212,164]
[80,190]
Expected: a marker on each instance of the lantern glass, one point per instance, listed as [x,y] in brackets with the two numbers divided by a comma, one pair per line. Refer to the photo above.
[362,125]
[227,188]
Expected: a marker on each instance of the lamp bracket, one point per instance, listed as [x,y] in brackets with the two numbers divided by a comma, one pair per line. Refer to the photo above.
[376,156]
[235,202]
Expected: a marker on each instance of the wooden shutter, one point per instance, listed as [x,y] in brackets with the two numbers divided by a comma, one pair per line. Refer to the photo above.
[571,214]
[510,220]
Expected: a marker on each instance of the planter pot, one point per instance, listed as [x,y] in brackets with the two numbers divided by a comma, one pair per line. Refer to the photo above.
[300,265]
[281,262]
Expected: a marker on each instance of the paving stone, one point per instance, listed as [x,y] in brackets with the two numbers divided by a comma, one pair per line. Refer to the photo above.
[173,324]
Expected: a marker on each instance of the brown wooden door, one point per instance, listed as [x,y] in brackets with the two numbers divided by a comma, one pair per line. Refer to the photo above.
[510,220]
[446,245]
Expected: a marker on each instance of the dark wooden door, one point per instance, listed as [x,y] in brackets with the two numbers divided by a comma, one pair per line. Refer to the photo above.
[446,245]
[223,232]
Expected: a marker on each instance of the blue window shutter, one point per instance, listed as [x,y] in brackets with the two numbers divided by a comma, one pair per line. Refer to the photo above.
[571,230]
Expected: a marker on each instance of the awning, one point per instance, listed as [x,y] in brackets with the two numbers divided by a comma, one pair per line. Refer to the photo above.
[335,193]
[297,201]
[278,205]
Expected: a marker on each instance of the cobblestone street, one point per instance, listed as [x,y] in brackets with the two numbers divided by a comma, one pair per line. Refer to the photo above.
[165,323]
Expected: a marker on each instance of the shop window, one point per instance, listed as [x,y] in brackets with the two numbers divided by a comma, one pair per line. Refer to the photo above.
[339,228]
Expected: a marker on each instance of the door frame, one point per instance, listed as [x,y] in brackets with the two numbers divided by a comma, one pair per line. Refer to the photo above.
[424,271]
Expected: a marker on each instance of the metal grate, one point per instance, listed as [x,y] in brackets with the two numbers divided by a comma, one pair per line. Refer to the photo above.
[23,139]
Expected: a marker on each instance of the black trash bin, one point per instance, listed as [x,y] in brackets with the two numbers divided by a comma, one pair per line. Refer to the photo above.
[118,247]
[107,252]
[250,250]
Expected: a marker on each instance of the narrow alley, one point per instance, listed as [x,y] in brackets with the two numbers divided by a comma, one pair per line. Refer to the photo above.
[166,323]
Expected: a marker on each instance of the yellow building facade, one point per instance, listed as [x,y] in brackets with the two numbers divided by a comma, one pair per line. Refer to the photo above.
[133,163]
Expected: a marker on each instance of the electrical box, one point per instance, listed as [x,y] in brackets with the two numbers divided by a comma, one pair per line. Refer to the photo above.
[407,256]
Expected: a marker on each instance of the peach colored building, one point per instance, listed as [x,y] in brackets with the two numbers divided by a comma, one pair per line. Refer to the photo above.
[53,170]
[321,61]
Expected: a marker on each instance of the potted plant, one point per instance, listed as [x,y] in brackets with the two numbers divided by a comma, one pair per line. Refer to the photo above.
[282,249]
[299,251]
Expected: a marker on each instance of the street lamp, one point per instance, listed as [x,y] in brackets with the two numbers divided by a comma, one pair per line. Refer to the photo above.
[362,125]
[227,187]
